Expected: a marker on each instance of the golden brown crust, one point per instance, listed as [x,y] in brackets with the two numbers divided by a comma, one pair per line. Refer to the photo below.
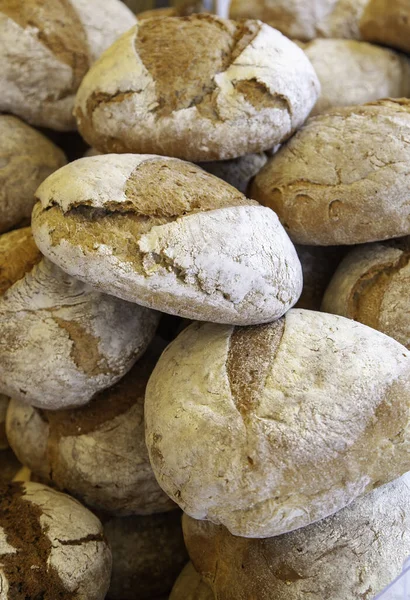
[18,255]
[387,22]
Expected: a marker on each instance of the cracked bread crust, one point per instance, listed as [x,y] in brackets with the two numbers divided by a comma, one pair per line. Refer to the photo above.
[277,426]
[47,48]
[302,20]
[26,159]
[356,191]
[387,22]
[111,469]
[371,286]
[190,586]
[250,90]
[353,554]
[60,552]
[365,72]
[165,234]
[62,341]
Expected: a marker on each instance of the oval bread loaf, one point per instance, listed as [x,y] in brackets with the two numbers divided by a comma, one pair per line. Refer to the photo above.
[277,426]
[372,285]
[189,586]
[227,89]
[342,179]
[352,72]
[46,49]
[165,234]
[148,553]
[50,546]
[353,554]
[61,341]
[26,159]
[96,453]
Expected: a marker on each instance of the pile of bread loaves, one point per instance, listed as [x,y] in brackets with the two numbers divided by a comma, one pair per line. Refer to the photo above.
[164,345]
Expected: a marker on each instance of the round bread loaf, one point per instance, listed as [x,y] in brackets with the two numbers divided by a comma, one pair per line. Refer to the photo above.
[46,49]
[342,179]
[353,554]
[26,159]
[189,586]
[165,234]
[372,285]
[50,546]
[277,426]
[352,72]
[61,341]
[214,89]
[387,22]
[4,402]
[148,553]
[96,453]
[305,20]
[318,266]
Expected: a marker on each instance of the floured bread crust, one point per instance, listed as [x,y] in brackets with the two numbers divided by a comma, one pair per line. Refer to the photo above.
[96,453]
[148,553]
[60,552]
[387,22]
[238,171]
[62,341]
[342,179]
[46,49]
[353,554]
[371,286]
[277,426]
[26,159]
[165,234]
[352,72]
[227,89]
[304,20]
[189,586]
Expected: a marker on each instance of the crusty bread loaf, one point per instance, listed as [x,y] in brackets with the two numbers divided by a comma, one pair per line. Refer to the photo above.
[214,89]
[168,235]
[318,266]
[352,72]
[26,159]
[148,553]
[353,554]
[47,47]
[50,546]
[342,179]
[61,341]
[387,22]
[371,285]
[277,426]
[305,19]
[96,453]
[190,586]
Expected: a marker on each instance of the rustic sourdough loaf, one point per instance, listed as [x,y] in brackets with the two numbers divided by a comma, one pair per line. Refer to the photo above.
[352,72]
[46,49]
[214,89]
[97,452]
[148,553]
[342,179]
[165,234]
[353,554]
[61,341]
[280,425]
[26,159]
[50,546]
[387,22]
[372,285]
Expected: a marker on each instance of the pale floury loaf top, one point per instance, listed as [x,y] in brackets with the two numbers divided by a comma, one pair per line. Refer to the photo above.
[305,19]
[277,426]
[163,233]
[343,178]
[199,88]
[354,554]
[45,50]
[61,340]
[50,546]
